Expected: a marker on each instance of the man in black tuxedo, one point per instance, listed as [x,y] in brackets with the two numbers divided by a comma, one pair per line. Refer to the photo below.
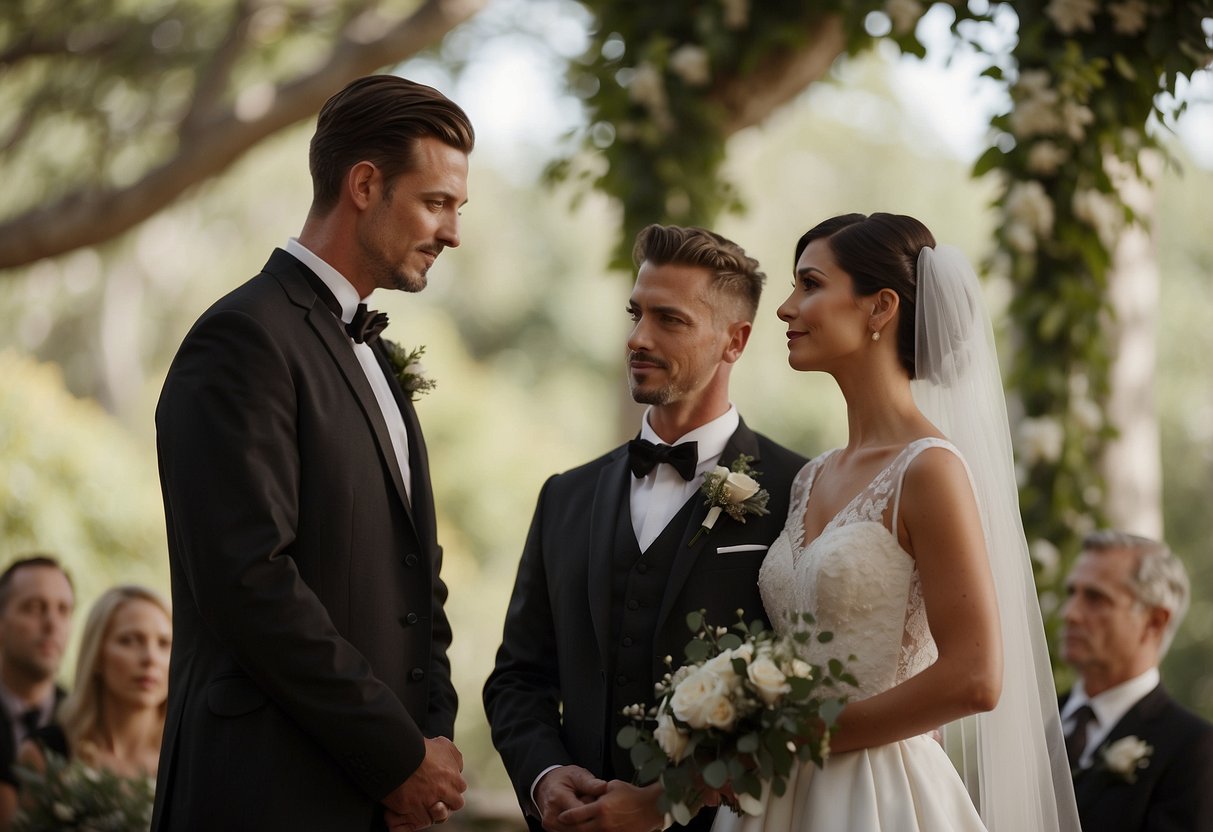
[309,684]
[36,605]
[609,573]
[1140,761]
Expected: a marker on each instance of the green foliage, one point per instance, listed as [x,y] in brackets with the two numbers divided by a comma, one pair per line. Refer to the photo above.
[73,796]
[744,708]
[1085,85]
[1084,78]
[652,82]
[74,483]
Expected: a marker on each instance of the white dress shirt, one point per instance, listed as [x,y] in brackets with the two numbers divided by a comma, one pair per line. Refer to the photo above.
[660,494]
[1109,707]
[347,298]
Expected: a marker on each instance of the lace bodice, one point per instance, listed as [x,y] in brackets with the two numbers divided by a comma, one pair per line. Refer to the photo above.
[855,579]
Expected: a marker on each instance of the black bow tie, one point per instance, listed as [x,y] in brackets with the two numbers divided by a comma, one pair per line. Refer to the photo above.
[366,325]
[644,456]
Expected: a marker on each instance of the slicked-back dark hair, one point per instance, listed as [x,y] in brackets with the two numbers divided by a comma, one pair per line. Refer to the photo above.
[878,252]
[27,562]
[734,273]
[379,119]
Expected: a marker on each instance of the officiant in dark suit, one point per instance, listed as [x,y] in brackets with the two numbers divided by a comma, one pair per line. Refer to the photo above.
[609,571]
[309,683]
[1140,760]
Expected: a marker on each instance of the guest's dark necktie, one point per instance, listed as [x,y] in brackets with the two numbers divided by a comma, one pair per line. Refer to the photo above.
[30,719]
[366,325]
[644,456]
[1076,740]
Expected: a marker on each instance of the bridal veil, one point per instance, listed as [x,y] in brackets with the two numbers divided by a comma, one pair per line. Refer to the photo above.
[1012,758]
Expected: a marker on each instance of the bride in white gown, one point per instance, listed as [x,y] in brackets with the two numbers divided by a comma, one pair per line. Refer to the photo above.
[886,545]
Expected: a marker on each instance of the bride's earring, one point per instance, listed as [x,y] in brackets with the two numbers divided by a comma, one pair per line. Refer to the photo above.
[876,335]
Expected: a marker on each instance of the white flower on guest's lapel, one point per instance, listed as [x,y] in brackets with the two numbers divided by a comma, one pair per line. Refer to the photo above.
[1125,757]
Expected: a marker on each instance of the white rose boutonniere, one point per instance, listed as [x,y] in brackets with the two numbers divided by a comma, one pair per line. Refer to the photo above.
[407,369]
[734,492]
[1125,757]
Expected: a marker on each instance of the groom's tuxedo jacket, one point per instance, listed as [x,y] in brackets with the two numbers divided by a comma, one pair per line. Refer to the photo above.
[1174,793]
[591,620]
[309,655]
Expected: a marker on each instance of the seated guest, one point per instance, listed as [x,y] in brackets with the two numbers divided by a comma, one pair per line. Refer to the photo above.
[113,720]
[1140,761]
[36,604]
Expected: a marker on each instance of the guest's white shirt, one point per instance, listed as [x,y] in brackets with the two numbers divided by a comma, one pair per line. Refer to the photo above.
[660,494]
[347,298]
[1109,707]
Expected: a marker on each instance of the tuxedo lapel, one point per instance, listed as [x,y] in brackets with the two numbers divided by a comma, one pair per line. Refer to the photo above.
[611,497]
[294,278]
[742,441]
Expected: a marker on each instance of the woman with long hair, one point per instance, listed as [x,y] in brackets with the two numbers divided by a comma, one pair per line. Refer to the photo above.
[114,716]
[907,544]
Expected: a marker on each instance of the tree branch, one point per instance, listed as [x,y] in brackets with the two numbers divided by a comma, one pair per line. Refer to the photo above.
[93,215]
[749,100]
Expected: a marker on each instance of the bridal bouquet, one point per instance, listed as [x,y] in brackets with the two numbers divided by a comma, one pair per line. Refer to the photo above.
[75,796]
[738,715]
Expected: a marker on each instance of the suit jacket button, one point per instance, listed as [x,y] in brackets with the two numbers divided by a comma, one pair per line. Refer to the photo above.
[633,604]
[621,679]
[409,618]
[416,674]
[627,641]
[642,568]
[410,559]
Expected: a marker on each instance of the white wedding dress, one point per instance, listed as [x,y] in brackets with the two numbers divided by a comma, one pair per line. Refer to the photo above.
[863,587]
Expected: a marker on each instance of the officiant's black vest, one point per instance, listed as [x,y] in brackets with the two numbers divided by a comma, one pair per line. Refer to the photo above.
[638,585]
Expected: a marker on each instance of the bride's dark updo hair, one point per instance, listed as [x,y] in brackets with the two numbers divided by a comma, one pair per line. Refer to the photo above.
[878,252]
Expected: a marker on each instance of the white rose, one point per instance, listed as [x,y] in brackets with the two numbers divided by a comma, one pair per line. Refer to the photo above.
[720,712]
[691,64]
[1126,755]
[1041,439]
[767,679]
[722,668]
[1028,204]
[1045,158]
[694,695]
[738,487]
[800,669]
[672,741]
[1076,117]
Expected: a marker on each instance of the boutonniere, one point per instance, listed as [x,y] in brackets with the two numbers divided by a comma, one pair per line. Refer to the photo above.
[734,492]
[407,369]
[1125,757]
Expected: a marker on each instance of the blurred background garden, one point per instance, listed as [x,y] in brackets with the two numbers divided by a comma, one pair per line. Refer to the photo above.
[524,324]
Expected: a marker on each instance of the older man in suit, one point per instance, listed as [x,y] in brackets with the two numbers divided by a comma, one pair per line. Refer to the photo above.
[309,684]
[1140,760]
[611,566]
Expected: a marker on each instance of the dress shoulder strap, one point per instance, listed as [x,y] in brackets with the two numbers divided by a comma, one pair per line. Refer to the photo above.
[907,456]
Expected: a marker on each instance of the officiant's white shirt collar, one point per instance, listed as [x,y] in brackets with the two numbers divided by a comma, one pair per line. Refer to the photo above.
[342,289]
[711,438]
